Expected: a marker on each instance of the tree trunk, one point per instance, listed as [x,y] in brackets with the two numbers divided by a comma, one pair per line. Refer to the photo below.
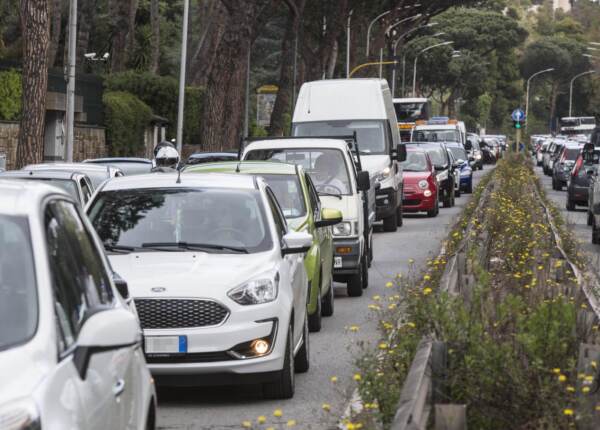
[122,20]
[56,13]
[85,18]
[35,28]
[286,79]
[222,114]
[155,38]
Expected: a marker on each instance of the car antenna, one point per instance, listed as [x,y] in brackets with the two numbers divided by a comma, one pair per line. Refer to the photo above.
[178,176]
[237,168]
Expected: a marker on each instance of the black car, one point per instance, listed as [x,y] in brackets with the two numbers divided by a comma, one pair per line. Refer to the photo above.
[445,170]
[564,164]
[488,153]
[474,151]
[211,157]
[586,167]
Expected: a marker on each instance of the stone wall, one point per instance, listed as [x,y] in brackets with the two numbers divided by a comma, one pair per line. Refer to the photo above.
[90,142]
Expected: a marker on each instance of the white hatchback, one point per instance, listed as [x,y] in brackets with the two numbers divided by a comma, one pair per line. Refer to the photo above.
[218,281]
[70,348]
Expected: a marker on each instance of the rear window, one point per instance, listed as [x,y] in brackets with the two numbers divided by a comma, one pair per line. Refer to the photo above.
[288,191]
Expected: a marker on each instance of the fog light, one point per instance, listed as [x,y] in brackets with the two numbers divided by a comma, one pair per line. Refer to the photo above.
[343,250]
[260,346]
[427,193]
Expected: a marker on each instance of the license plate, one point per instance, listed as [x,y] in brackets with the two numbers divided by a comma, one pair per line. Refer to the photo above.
[337,262]
[165,344]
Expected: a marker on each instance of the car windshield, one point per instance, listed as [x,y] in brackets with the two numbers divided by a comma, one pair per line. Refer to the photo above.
[155,219]
[436,136]
[415,162]
[327,167]
[410,112]
[18,291]
[371,135]
[459,153]
[288,191]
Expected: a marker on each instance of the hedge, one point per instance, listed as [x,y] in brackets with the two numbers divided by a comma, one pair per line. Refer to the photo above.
[10,95]
[126,118]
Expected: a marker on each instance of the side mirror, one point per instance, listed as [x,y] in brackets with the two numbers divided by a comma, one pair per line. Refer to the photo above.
[329,217]
[590,172]
[460,161]
[121,285]
[468,146]
[400,153]
[296,242]
[439,168]
[105,330]
[596,208]
[363,181]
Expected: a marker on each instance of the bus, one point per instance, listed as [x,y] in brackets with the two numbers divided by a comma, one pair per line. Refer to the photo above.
[573,125]
[408,112]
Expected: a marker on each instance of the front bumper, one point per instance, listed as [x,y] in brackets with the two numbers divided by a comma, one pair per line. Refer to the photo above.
[386,201]
[466,180]
[415,201]
[578,194]
[350,261]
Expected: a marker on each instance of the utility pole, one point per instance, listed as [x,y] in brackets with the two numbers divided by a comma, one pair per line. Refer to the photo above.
[247,97]
[348,44]
[184,36]
[70,108]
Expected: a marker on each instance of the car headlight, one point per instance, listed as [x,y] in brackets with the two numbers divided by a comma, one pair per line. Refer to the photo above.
[442,176]
[384,174]
[427,193]
[21,414]
[342,229]
[256,292]
[423,184]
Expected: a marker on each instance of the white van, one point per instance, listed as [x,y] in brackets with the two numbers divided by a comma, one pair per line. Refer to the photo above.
[438,129]
[341,186]
[341,107]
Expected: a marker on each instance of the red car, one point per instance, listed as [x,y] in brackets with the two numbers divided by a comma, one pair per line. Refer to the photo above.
[420,192]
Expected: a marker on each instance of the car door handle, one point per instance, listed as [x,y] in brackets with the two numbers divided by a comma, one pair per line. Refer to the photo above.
[119,387]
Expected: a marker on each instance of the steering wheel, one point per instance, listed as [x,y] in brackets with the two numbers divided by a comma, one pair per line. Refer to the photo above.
[236,234]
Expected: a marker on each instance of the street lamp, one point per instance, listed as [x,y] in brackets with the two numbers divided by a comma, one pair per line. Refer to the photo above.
[387,31]
[404,62]
[414,89]
[589,72]
[551,69]
[378,17]
[184,37]
[401,37]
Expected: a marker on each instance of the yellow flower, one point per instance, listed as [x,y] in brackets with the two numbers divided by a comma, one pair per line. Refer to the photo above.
[558,263]
[383,345]
[570,389]
[562,378]
[389,285]
[585,390]
[291,423]
[374,307]
[377,298]
[426,278]
[427,291]
[540,267]
[411,324]
[354,328]
[270,428]
[411,260]
[326,407]
[333,379]
[597,407]
[556,370]
[568,412]
[392,306]
[594,363]
[262,419]
[247,424]
[589,379]
[357,377]
[278,413]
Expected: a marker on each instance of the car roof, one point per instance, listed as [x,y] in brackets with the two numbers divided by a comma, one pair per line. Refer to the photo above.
[213,154]
[66,166]
[109,160]
[21,198]
[247,167]
[297,143]
[42,174]
[170,180]
[436,127]
[410,100]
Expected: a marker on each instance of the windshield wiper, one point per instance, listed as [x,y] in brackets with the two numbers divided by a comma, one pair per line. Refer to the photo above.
[122,249]
[322,193]
[194,246]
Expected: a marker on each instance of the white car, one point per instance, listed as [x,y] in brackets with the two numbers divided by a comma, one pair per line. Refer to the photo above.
[70,348]
[217,279]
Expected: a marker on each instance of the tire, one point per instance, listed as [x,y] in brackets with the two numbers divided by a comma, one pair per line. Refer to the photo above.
[328,301]
[314,319]
[436,209]
[365,270]
[457,193]
[151,419]
[595,234]
[453,197]
[399,215]
[469,187]
[355,283]
[390,224]
[559,186]
[302,359]
[370,252]
[570,204]
[590,219]
[284,386]
[447,200]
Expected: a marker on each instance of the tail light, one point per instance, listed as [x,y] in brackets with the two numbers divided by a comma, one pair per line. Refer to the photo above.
[577,166]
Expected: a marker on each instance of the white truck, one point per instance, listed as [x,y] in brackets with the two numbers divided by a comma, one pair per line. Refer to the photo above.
[335,172]
[338,107]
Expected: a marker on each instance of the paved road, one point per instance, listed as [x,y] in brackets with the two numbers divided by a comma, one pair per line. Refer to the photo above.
[577,220]
[227,407]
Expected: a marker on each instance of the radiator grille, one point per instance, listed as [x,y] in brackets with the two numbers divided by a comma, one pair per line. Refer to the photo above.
[179,313]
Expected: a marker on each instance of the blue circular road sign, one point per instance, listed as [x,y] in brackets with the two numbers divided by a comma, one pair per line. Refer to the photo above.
[518,115]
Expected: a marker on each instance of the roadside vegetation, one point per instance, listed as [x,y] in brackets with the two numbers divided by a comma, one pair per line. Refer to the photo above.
[511,333]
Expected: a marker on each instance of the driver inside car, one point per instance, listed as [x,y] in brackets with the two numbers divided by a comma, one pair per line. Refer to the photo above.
[326,175]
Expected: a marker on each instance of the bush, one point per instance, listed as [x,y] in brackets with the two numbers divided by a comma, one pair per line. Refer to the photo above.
[10,95]
[126,120]
[161,94]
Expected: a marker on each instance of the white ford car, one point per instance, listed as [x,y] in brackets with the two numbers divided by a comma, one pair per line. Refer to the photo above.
[70,348]
[218,281]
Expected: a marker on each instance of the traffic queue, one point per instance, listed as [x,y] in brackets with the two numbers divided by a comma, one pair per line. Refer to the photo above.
[216,270]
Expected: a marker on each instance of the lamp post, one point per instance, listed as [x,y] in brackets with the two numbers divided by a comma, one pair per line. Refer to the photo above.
[348,43]
[377,18]
[551,69]
[387,32]
[395,48]
[184,36]
[414,89]
[404,62]
[70,108]
[589,72]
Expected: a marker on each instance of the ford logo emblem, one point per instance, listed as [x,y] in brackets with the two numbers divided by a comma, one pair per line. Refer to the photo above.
[158,289]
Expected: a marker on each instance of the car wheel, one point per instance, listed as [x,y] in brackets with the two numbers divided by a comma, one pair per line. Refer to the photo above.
[355,283]
[447,200]
[399,215]
[283,387]
[390,223]
[590,218]
[314,319]
[553,184]
[469,187]
[327,306]
[302,359]
[365,270]
[595,234]
[434,212]
[151,419]
[570,204]
[453,197]
[370,252]
[457,193]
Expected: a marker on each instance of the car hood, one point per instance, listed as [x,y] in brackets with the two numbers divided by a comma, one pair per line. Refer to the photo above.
[374,163]
[181,274]
[346,205]
[29,365]
[414,177]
